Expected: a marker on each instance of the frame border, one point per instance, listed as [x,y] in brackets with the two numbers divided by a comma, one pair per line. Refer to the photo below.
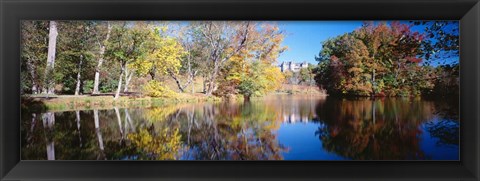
[467,11]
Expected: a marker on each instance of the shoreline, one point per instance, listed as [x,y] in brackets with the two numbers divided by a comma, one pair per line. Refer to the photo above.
[61,103]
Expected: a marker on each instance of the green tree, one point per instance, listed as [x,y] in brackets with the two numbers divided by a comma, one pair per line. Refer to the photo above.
[127,44]
[76,52]
[33,55]
[102,44]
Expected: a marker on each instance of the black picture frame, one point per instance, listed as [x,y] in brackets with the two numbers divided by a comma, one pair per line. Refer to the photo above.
[13,11]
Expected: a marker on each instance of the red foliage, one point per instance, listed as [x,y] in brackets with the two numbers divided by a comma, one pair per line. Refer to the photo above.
[414,59]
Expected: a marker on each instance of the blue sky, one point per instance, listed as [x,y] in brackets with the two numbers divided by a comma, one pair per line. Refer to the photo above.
[304,38]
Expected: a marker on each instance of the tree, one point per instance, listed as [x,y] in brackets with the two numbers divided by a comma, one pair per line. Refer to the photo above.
[76,47]
[163,55]
[260,79]
[306,75]
[101,55]
[443,39]
[221,44]
[33,54]
[126,45]
[190,66]
[374,60]
[52,42]
[252,69]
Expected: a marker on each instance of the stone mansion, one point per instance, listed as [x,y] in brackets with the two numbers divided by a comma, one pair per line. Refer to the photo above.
[292,66]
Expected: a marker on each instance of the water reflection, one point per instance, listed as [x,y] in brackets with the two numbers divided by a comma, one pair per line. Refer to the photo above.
[274,128]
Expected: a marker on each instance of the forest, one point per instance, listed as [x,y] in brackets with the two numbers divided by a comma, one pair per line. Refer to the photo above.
[233,59]
[93,57]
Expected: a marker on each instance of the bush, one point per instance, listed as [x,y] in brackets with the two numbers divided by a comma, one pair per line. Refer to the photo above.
[88,86]
[108,85]
[157,89]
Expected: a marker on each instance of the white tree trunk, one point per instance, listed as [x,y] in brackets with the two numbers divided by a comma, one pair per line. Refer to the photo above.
[128,77]
[79,76]
[52,42]
[100,61]
[193,87]
[33,75]
[117,94]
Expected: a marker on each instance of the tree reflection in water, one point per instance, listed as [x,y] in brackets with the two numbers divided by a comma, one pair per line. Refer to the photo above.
[359,129]
[380,129]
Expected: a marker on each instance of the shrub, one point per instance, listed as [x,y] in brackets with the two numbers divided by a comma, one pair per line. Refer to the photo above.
[88,86]
[157,89]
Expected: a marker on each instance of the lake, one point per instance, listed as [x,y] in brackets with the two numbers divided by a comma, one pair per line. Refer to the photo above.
[277,127]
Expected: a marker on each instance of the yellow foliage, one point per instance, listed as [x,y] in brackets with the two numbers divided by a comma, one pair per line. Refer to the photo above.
[274,77]
[164,54]
[157,89]
[159,114]
[252,68]
[163,146]
[167,55]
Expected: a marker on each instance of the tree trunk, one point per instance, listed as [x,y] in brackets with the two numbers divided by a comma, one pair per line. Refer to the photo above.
[52,43]
[77,89]
[100,61]
[179,85]
[204,85]
[128,77]
[211,82]
[33,75]
[152,73]
[193,88]
[117,94]
[373,82]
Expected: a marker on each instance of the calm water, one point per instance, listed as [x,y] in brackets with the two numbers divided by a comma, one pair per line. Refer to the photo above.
[281,127]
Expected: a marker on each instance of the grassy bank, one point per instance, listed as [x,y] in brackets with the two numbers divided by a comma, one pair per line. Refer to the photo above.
[87,102]
[301,89]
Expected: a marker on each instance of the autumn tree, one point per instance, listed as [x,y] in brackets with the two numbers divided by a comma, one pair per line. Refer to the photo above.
[222,40]
[374,60]
[126,45]
[252,70]
[442,39]
[441,49]
[191,60]
[260,79]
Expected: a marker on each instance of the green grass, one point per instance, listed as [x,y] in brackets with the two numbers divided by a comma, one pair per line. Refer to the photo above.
[69,103]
